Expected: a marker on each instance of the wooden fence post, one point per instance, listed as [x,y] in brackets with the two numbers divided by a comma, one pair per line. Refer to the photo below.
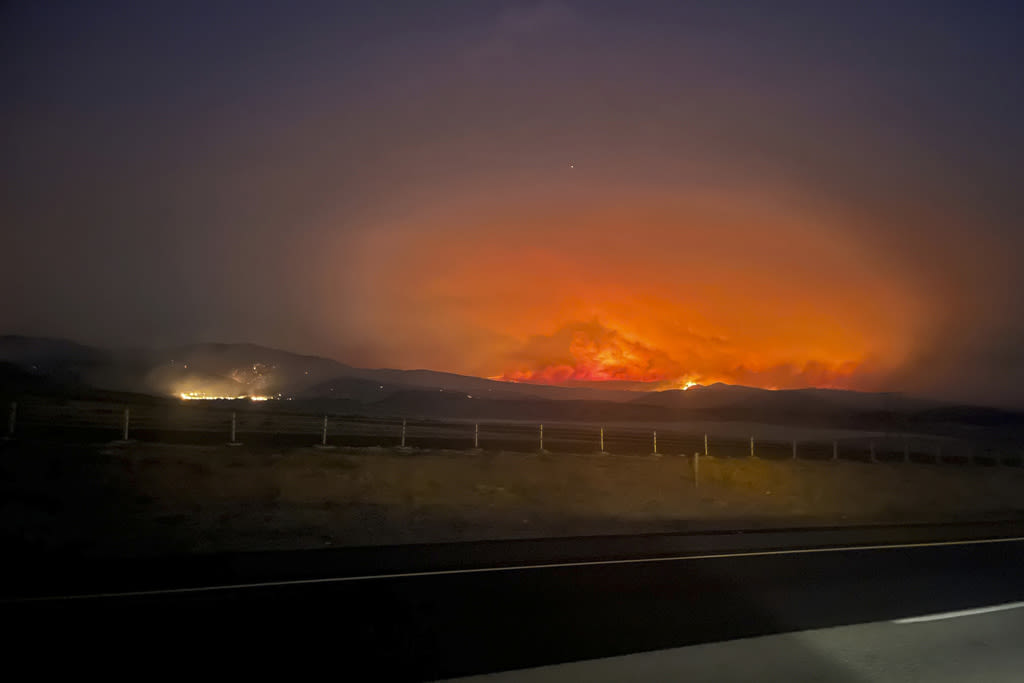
[323,437]
[127,414]
[234,430]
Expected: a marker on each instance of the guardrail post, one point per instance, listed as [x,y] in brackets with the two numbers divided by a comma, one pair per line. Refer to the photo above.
[696,468]
[752,447]
[602,440]
[127,415]
[705,444]
[11,418]
[403,433]
[476,435]
[655,452]
[541,450]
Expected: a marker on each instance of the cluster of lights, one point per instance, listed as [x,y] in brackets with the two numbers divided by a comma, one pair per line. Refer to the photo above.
[202,396]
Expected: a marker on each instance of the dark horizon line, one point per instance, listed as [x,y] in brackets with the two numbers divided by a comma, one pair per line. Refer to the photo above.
[578,384]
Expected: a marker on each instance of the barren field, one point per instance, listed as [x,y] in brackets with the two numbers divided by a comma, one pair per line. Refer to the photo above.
[152,499]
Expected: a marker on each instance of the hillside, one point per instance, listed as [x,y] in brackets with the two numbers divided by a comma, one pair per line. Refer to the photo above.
[318,385]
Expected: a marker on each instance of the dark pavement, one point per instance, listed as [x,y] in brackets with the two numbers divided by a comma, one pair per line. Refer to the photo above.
[642,593]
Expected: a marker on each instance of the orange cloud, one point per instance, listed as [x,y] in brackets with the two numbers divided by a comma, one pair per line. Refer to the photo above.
[655,289]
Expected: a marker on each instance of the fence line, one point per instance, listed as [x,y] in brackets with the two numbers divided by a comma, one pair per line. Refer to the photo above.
[102,421]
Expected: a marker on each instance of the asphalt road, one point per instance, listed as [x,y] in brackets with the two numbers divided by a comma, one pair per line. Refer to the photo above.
[426,612]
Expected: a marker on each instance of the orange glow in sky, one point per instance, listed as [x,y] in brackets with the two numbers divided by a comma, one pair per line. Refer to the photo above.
[653,289]
[780,195]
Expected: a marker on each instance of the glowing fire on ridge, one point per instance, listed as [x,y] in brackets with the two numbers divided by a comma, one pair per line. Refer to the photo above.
[590,352]
[203,396]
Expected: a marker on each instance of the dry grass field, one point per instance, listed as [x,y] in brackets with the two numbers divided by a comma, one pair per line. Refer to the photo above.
[150,498]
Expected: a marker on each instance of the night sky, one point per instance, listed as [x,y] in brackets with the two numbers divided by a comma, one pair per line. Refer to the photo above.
[776,194]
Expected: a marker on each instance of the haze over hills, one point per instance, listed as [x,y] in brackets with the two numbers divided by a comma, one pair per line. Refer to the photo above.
[247,369]
[29,364]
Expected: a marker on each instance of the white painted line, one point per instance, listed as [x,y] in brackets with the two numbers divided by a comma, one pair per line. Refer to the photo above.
[959,613]
[510,568]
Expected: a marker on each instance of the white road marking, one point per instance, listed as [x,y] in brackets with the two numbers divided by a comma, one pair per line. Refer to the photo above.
[959,613]
[510,568]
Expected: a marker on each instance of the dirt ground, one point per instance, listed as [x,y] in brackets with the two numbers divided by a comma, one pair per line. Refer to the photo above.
[152,499]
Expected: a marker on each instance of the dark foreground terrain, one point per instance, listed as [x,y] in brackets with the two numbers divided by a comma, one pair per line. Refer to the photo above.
[424,612]
[144,499]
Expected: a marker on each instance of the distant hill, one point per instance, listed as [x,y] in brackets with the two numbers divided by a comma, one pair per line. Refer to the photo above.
[57,360]
[701,397]
[16,379]
[394,379]
[46,352]
[316,384]
[238,369]
[458,405]
[776,403]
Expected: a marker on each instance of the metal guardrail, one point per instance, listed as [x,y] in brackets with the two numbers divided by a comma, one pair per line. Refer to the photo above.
[205,423]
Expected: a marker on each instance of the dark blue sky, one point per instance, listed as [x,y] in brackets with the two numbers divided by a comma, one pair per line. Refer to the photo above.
[837,185]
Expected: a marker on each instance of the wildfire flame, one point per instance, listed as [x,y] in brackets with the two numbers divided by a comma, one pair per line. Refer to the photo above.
[203,396]
[592,352]
[595,354]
